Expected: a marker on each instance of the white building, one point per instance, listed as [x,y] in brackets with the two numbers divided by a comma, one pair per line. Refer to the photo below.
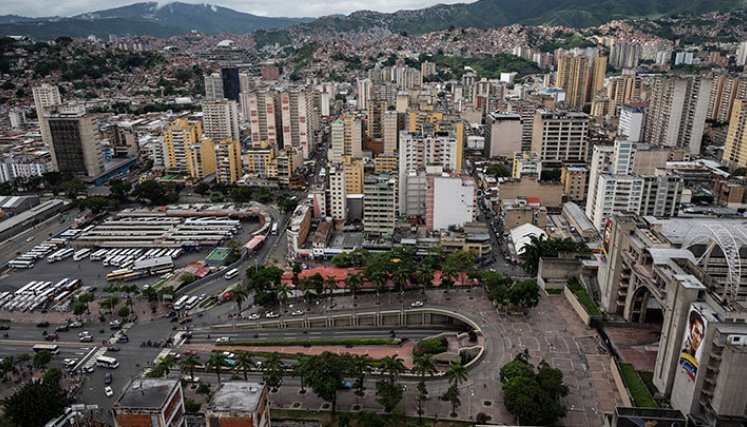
[220,120]
[337,208]
[503,134]
[214,86]
[631,123]
[451,201]
[742,54]
[416,151]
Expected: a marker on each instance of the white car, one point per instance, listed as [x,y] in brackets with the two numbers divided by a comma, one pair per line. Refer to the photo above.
[297,313]
[76,324]
[83,334]
[108,391]
[69,363]
[254,316]
[271,315]
[228,355]
[223,339]
[417,304]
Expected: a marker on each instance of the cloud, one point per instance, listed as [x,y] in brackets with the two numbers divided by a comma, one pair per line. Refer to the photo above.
[289,8]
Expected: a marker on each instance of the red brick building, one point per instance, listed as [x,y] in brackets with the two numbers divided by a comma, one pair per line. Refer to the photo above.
[150,403]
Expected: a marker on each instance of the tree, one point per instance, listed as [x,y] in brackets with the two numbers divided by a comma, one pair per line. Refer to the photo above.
[354,282]
[452,396]
[41,359]
[123,312]
[73,187]
[217,197]
[120,188]
[424,276]
[388,394]
[110,302]
[456,373]
[524,294]
[79,308]
[37,402]
[325,376]
[272,371]
[239,294]
[377,272]
[424,366]
[96,204]
[283,291]
[540,246]
[330,285]
[359,369]
[155,193]
[202,188]
[216,361]
[244,362]
[302,368]
[189,364]
[499,170]
[241,194]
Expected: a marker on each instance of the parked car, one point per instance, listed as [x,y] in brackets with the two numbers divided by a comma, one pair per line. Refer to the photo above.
[417,304]
[43,324]
[123,338]
[109,392]
[108,378]
[112,348]
[271,315]
[254,316]
[297,313]
[62,328]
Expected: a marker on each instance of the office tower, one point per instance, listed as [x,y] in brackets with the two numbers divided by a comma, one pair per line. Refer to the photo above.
[262,109]
[631,122]
[560,135]
[375,110]
[353,135]
[74,141]
[451,201]
[178,136]
[364,93]
[337,207]
[741,56]
[416,151]
[626,55]
[231,83]
[624,88]
[735,149]
[246,84]
[337,141]
[379,204]
[526,110]
[391,132]
[220,119]
[201,158]
[503,133]
[726,88]
[297,117]
[598,71]
[677,112]
[157,150]
[228,167]
[214,86]
[45,96]
[573,76]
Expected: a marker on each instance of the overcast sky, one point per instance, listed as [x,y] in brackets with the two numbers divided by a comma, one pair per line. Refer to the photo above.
[290,8]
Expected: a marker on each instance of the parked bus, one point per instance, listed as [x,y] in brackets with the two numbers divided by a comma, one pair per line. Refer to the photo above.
[107,362]
[231,274]
[83,253]
[118,274]
[17,263]
[192,302]
[52,348]
[180,302]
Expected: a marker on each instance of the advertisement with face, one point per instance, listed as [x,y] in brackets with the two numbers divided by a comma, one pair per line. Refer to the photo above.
[607,240]
[692,343]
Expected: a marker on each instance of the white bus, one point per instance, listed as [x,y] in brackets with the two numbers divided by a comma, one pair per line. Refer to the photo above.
[231,274]
[107,362]
[52,348]
[98,255]
[17,263]
[83,253]
[192,302]
[180,302]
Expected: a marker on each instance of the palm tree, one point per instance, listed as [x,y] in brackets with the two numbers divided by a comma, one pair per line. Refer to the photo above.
[456,373]
[239,295]
[216,361]
[283,291]
[273,370]
[393,367]
[167,362]
[424,276]
[330,285]
[537,247]
[400,276]
[189,364]
[424,366]
[448,275]
[244,362]
[305,287]
[360,367]
[302,369]
[354,282]
[21,359]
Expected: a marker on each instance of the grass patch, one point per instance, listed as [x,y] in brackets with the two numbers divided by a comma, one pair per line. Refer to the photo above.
[326,418]
[648,379]
[637,387]
[583,297]
[322,342]
[554,291]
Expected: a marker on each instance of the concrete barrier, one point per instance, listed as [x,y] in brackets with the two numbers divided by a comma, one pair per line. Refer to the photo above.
[580,310]
[620,384]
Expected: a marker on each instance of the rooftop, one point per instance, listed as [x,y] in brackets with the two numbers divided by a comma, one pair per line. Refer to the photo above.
[148,393]
[237,396]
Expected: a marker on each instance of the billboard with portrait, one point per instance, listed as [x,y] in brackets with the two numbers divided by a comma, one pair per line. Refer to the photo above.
[692,343]
[606,240]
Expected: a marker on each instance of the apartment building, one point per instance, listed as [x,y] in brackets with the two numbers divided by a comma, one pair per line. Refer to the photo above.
[503,135]
[451,202]
[735,149]
[228,165]
[560,135]
[201,159]
[220,119]
[178,136]
[74,141]
[261,108]
[379,204]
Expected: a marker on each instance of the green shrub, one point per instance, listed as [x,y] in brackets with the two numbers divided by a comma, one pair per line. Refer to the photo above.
[430,346]
[638,390]
[583,297]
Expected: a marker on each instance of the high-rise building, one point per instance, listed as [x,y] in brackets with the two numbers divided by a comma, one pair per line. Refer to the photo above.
[231,83]
[178,136]
[337,141]
[363,89]
[375,109]
[297,110]
[624,88]
[228,166]
[573,76]
[451,201]
[503,134]
[735,149]
[201,159]
[631,122]
[379,204]
[353,135]
[391,132]
[560,135]
[573,177]
[337,207]
[353,175]
[151,402]
[741,56]
[598,72]
[214,86]
[677,112]
[220,119]
[726,89]
[45,96]
[74,141]
[262,110]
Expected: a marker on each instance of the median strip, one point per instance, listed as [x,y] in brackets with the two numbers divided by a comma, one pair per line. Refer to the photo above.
[313,342]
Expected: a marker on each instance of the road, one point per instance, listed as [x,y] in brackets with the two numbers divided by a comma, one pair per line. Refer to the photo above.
[208,337]
[35,235]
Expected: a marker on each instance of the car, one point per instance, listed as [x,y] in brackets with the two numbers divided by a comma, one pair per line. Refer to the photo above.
[271,315]
[76,324]
[185,320]
[83,334]
[417,304]
[189,353]
[69,363]
[297,313]
[4,327]
[228,355]
[202,297]
[43,324]
[108,378]
[86,338]
[62,328]
[88,369]
[28,239]
[51,337]
[223,339]
[112,348]
[109,392]
[254,316]
[123,338]
[115,325]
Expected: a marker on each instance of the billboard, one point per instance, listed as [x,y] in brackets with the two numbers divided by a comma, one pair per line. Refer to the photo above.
[606,240]
[692,343]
